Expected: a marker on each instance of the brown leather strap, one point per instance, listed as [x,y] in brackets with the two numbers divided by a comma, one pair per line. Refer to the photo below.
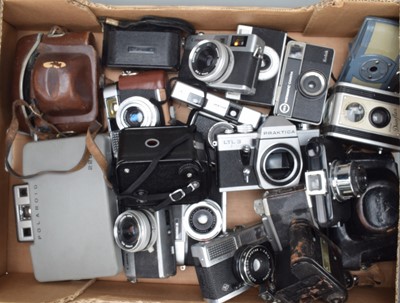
[90,147]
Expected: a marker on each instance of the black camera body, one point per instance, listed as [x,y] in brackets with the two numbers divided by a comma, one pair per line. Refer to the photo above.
[157,164]
[146,241]
[310,268]
[223,61]
[232,263]
[304,80]
[136,100]
[370,234]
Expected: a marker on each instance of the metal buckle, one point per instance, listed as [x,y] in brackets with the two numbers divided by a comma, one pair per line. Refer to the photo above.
[178,191]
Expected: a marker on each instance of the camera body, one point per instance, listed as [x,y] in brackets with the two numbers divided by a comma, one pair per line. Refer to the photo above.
[223,61]
[158,163]
[266,159]
[137,100]
[267,82]
[217,106]
[146,241]
[332,179]
[363,114]
[310,268]
[233,262]
[303,83]
[373,59]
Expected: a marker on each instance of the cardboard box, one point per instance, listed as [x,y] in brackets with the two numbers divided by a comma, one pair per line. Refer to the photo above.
[331,23]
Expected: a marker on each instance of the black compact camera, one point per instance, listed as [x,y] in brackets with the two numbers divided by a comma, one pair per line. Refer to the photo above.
[309,269]
[146,241]
[158,166]
[137,100]
[233,263]
[304,81]
[266,159]
[332,180]
[370,234]
[226,62]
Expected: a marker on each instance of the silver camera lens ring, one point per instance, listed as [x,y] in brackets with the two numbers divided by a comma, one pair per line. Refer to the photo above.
[307,88]
[294,171]
[151,115]
[199,211]
[145,224]
[223,66]
[273,68]
[347,180]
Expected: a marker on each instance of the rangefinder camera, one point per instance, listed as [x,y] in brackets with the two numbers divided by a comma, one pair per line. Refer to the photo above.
[220,107]
[362,114]
[146,240]
[226,62]
[266,159]
[233,263]
[304,80]
[137,100]
[373,59]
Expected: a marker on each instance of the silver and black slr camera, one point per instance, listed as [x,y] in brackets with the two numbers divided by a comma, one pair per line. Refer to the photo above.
[135,101]
[146,240]
[227,62]
[304,80]
[363,114]
[268,158]
[331,180]
[233,263]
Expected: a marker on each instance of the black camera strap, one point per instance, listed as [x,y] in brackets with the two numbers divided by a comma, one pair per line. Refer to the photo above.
[153,165]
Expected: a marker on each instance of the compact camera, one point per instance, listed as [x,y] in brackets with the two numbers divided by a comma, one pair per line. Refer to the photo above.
[373,57]
[146,240]
[159,166]
[304,81]
[210,103]
[267,83]
[278,208]
[227,62]
[309,269]
[332,179]
[365,115]
[370,234]
[137,100]
[268,158]
[196,222]
[232,263]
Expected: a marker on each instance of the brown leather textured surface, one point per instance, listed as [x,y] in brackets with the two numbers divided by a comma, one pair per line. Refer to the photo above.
[63,81]
[152,79]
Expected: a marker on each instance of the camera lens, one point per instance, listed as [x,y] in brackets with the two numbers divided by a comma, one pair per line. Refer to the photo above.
[211,61]
[137,112]
[379,117]
[312,84]
[347,180]
[355,112]
[135,230]
[253,264]
[203,220]
[280,165]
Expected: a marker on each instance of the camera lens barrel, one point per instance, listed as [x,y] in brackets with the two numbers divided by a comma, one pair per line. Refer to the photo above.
[135,230]
[253,264]
[137,111]
[347,180]
[211,61]
[203,220]
[312,84]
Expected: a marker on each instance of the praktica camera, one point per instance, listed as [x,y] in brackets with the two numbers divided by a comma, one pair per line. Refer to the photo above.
[363,114]
[136,101]
[146,241]
[233,263]
[227,62]
[268,158]
[304,80]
